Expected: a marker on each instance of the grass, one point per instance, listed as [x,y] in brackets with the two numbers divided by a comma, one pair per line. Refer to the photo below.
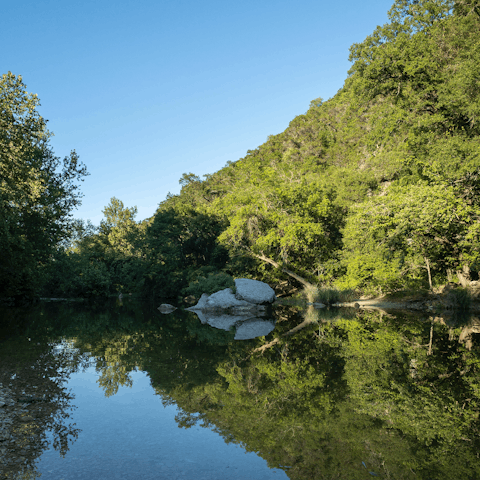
[328,296]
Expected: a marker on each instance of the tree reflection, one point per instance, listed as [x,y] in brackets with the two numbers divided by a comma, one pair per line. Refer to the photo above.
[339,396]
[34,404]
[329,394]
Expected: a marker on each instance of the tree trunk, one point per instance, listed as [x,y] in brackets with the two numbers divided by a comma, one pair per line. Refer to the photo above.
[283,269]
[464,276]
[430,343]
[427,263]
[449,275]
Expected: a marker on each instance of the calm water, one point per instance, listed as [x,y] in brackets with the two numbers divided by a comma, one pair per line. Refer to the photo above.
[123,392]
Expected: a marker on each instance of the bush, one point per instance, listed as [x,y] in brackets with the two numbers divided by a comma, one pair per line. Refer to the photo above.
[211,284]
[459,298]
[328,296]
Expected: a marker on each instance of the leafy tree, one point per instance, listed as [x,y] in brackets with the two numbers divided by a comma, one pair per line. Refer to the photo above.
[119,226]
[420,73]
[294,227]
[38,191]
[180,243]
[392,238]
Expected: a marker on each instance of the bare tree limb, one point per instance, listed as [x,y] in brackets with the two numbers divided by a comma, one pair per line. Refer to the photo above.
[283,269]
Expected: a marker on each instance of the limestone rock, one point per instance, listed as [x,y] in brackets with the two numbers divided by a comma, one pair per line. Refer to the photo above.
[224,299]
[253,291]
[200,305]
[247,326]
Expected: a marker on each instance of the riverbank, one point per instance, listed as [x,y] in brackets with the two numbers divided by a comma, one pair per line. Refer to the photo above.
[449,297]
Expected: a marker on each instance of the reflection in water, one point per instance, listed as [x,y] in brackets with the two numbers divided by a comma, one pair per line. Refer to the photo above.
[246,327]
[254,327]
[325,394]
[34,404]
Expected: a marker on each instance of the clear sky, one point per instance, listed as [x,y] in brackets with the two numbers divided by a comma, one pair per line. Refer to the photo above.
[146,90]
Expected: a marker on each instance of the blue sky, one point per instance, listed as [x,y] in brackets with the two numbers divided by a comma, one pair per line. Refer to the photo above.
[147,90]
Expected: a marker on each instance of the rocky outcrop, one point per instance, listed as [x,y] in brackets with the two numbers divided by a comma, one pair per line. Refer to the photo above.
[240,310]
[250,294]
[222,321]
[222,300]
[253,291]
[225,299]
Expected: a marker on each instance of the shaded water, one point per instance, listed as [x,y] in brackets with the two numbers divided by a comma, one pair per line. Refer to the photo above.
[122,391]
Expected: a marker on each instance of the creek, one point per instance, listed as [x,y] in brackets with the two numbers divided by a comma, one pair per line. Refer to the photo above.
[121,391]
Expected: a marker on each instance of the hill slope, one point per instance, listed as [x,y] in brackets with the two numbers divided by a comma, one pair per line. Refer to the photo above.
[375,188]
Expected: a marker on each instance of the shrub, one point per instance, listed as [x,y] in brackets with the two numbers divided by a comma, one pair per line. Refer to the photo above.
[211,284]
[459,298]
[328,296]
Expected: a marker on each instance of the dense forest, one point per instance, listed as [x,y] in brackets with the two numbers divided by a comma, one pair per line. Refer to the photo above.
[375,189]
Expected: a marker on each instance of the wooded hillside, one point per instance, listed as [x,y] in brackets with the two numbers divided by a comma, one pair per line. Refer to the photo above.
[374,189]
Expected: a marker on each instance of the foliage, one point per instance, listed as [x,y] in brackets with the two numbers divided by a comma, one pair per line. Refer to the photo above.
[375,189]
[180,245]
[100,261]
[211,284]
[408,233]
[328,296]
[38,191]
[119,227]
[293,224]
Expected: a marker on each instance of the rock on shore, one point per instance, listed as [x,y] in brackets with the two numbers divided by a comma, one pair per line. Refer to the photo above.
[249,294]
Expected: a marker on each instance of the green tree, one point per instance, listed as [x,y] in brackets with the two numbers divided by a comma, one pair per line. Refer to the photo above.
[418,76]
[38,191]
[119,226]
[411,232]
[294,227]
[180,243]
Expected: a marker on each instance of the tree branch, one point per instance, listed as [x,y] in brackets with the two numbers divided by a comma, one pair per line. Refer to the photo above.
[300,279]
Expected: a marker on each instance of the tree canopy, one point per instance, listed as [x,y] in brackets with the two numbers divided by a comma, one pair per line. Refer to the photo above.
[38,191]
[375,188]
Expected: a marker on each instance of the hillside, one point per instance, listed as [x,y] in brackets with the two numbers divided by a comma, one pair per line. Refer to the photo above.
[379,184]
[375,189]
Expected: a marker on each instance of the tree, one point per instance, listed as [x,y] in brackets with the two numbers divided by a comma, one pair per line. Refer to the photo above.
[420,74]
[393,238]
[38,190]
[119,226]
[181,244]
[294,227]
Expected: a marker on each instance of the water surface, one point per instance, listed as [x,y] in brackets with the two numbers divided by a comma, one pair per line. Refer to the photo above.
[122,391]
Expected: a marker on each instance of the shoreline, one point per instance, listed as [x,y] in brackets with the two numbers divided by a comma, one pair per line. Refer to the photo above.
[431,302]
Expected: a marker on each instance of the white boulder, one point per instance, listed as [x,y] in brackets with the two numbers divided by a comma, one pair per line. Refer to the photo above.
[225,322]
[253,291]
[223,299]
